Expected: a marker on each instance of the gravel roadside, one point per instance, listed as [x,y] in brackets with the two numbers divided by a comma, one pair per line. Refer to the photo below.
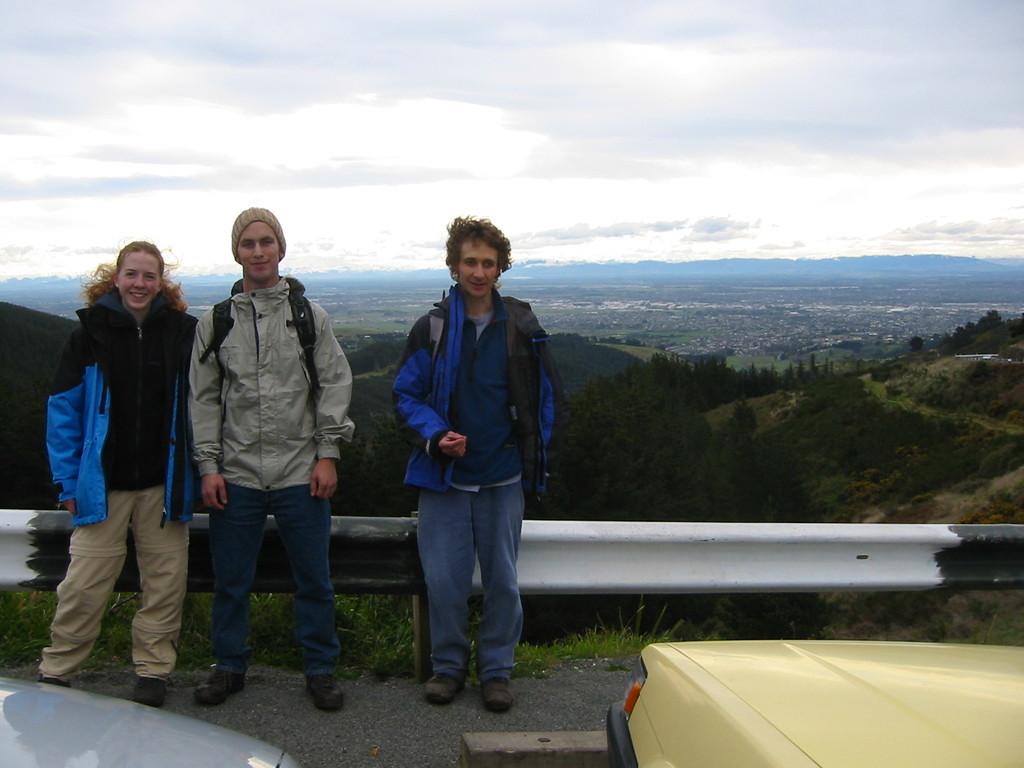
[384,724]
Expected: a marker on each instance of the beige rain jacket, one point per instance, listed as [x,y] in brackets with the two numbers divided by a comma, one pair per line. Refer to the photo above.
[259,423]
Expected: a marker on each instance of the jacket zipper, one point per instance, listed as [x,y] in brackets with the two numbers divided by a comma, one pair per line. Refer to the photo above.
[138,399]
[256,334]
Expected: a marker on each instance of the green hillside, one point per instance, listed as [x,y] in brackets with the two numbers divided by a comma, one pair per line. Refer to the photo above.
[926,437]
[30,343]
[30,346]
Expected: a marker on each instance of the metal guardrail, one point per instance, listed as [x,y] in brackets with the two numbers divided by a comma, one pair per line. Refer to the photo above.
[377,555]
[369,555]
[676,558]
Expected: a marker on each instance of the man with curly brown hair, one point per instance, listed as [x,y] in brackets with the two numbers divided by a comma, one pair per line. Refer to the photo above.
[478,396]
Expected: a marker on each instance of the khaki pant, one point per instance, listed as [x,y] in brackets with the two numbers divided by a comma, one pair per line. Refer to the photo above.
[97,556]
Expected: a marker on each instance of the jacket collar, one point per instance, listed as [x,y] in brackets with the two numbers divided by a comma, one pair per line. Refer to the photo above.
[112,301]
[285,285]
[443,307]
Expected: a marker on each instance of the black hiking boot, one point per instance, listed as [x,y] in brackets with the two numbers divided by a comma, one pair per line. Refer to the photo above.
[325,691]
[151,691]
[54,681]
[219,686]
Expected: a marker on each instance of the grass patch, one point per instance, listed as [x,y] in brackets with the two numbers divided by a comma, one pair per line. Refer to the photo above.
[375,631]
[377,637]
[25,617]
[611,644]
[376,634]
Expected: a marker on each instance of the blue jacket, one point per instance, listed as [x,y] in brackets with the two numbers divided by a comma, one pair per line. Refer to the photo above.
[78,414]
[482,410]
[425,389]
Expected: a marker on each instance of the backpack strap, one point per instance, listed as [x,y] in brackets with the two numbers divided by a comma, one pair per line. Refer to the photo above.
[305,327]
[436,326]
[302,320]
[223,322]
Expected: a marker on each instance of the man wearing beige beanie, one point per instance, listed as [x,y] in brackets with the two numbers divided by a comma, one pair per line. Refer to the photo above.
[268,417]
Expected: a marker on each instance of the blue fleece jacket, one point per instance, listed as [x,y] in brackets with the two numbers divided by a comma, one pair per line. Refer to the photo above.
[427,392]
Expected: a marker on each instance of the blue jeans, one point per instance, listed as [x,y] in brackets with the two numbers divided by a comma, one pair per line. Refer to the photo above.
[236,533]
[455,528]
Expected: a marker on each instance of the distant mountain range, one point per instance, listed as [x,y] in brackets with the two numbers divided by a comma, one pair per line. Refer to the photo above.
[935,265]
[739,269]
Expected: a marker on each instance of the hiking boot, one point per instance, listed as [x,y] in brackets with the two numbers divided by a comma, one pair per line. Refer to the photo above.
[53,681]
[497,694]
[150,691]
[219,686]
[441,689]
[325,691]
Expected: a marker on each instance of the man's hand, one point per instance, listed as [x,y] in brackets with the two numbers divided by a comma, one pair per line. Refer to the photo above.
[452,444]
[324,480]
[215,491]
[71,506]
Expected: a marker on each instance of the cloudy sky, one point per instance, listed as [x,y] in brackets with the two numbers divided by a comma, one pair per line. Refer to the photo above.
[588,131]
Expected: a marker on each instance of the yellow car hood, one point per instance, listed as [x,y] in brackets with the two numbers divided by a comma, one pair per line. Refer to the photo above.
[831,704]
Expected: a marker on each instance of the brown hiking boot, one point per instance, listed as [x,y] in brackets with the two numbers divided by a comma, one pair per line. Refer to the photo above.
[497,694]
[441,689]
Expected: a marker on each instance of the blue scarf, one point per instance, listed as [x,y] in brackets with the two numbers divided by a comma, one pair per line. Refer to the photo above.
[445,371]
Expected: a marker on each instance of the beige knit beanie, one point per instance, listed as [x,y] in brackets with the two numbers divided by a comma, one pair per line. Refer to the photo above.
[247,217]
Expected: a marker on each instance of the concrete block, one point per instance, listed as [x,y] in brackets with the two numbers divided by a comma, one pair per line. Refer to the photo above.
[554,749]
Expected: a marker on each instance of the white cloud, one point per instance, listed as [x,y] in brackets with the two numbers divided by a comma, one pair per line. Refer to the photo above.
[677,129]
[998,231]
[209,139]
[719,228]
